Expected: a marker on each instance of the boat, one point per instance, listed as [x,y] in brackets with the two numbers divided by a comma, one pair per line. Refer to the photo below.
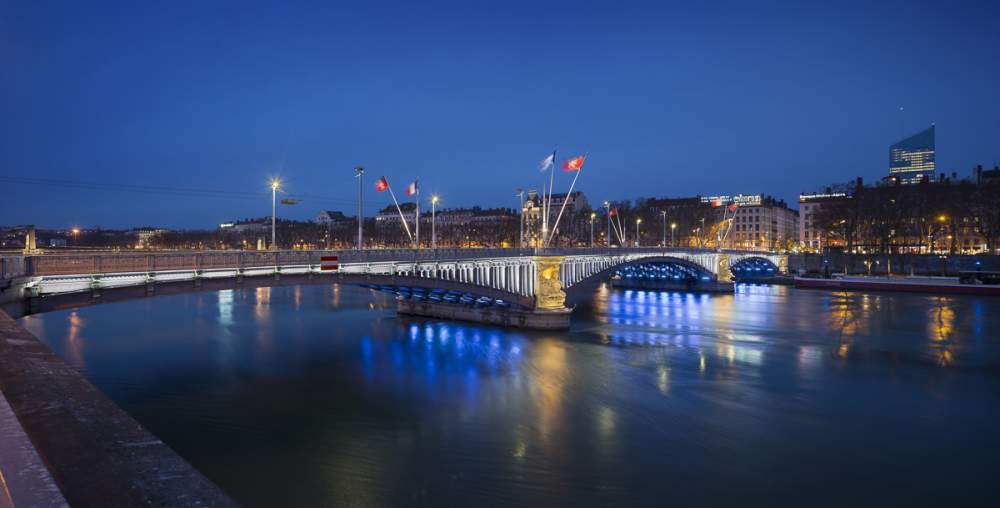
[935,285]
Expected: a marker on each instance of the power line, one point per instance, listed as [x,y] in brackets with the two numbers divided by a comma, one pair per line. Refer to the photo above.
[172,191]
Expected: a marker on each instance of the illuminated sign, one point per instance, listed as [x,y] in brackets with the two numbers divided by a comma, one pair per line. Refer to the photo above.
[807,197]
[739,199]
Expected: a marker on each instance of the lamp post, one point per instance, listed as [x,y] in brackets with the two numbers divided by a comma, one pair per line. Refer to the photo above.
[275,185]
[637,222]
[701,234]
[663,216]
[607,211]
[593,215]
[673,226]
[434,201]
[358,173]
[520,194]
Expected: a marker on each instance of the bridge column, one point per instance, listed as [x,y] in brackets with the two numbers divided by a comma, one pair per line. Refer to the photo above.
[783,264]
[722,272]
[549,294]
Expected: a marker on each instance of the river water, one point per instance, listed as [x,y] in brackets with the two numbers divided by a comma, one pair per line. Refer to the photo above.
[322,396]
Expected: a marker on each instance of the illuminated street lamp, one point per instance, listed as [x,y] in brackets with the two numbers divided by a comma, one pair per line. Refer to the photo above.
[275,185]
[607,211]
[593,215]
[663,215]
[434,201]
[673,226]
[637,222]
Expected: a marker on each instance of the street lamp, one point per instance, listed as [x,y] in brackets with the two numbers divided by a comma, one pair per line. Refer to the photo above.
[359,173]
[637,222]
[663,214]
[673,226]
[275,185]
[520,194]
[434,202]
[593,215]
[607,211]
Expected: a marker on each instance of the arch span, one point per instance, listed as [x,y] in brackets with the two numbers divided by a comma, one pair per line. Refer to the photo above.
[751,267]
[688,269]
[139,289]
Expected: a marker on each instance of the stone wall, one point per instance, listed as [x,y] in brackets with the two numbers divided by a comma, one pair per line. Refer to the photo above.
[900,264]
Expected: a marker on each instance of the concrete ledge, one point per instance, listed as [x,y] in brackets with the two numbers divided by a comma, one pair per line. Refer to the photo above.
[532,319]
[97,454]
[24,479]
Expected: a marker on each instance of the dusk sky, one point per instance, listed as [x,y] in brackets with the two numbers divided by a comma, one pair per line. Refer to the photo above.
[101,101]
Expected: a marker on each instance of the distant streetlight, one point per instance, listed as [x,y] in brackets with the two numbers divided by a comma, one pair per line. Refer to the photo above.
[275,185]
[663,215]
[593,215]
[673,226]
[637,222]
[607,211]
[520,194]
[359,173]
[434,201]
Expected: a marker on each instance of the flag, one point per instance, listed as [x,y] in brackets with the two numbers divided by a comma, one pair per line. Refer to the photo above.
[411,189]
[574,164]
[547,162]
[613,212]
[382,184]
[733,207]
[716,203]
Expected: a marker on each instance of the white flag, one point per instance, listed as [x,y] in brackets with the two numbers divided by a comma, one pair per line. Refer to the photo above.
[547,162]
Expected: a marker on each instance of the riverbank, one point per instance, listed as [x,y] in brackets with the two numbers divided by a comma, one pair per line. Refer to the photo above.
[936,285]
[96,453]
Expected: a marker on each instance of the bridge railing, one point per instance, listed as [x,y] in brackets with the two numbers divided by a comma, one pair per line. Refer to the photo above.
[124,262]
[12,266]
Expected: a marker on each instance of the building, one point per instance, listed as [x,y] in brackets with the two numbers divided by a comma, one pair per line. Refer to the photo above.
[758,222]
[248,226]
[911,160]
[811,235]
[332,218]
[144,236]
[390,215]
[575,202]
[987,176]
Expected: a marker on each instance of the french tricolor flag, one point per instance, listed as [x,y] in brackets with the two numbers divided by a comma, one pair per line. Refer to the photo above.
[411,189]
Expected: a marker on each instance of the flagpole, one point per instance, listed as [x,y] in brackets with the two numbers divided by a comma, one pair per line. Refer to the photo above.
[544,214]
[571,185]
[621,230]
[552,177]
[398,209]
[416,192]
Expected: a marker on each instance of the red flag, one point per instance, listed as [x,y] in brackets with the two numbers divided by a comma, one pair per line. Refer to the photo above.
[733,207]
[382,184]
[411,189]
[574,164]
[716,203]
[613,212]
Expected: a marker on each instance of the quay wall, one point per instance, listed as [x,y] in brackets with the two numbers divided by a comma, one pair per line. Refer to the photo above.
[96,453]
[900,264]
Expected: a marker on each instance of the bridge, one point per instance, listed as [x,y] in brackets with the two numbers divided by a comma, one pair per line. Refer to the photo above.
[528,283]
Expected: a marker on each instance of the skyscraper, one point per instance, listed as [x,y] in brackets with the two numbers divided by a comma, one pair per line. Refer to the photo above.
[912,159]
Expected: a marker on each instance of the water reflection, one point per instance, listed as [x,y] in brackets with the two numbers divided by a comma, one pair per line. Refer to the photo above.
[650,396]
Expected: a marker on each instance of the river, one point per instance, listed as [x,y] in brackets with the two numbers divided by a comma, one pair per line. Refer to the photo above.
[322,396]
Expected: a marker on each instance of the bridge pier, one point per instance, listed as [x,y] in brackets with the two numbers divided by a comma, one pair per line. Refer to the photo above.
[548,312]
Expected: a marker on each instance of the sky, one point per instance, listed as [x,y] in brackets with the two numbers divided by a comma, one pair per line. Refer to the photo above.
[175,114]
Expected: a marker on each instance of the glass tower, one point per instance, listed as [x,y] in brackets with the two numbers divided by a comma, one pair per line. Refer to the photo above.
[912,159]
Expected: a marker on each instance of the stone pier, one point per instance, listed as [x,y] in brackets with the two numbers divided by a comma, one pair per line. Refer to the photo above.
[549,312]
